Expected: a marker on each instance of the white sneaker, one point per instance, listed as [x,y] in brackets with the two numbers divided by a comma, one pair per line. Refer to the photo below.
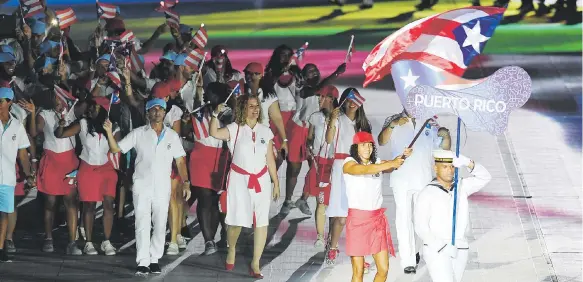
[320,245]
[89,249]
[107,248]
[181,241]
[172,249]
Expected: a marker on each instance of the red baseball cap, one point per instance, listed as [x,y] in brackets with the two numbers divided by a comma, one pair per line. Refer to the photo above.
[103,102]
[329,90]
[362,137]
[161,90]
[254,67]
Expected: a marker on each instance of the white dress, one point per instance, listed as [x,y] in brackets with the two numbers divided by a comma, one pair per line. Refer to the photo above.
[342,141]
[250,154]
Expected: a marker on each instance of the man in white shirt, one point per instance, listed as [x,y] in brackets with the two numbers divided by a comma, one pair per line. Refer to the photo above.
[156,146]
[446,260]
[13,143]
[399,130]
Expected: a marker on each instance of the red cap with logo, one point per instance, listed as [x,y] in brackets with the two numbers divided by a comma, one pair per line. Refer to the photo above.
[362,137]
[161,90]
[254,67]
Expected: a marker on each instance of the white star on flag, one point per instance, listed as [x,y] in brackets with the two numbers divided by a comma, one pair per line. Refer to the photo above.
[409,79]
[474,37]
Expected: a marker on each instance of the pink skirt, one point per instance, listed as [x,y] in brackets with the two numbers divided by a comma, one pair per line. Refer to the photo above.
[368,233]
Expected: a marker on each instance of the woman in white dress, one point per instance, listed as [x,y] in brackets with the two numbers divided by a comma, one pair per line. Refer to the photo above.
[248,186]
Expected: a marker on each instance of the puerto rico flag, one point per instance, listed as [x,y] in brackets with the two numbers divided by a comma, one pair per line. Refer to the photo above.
[64,96]
[300,52]
[356,98]
[106,11]
[112,73]
[165,5]
[194,59]
[200,38]
[66,18]
[172,18]
[30,8]
[200,124]
[446,41]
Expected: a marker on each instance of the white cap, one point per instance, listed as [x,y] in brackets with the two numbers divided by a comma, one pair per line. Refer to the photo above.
[443,156]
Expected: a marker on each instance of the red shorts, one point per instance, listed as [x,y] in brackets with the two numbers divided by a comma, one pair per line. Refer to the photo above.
[96,181]
[286,117]
[208,166]
[53,168]
[297,143]
[19,189]
[313,180]
[174,175]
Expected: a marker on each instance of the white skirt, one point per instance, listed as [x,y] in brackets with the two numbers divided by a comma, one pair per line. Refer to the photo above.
[243,203]
[338,205]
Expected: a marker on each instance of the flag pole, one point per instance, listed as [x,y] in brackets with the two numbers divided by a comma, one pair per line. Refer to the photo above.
[22,14]
[455,182]
[232,91]
[349,48]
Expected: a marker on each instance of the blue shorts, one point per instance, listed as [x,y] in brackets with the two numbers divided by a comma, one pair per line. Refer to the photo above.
[6,198]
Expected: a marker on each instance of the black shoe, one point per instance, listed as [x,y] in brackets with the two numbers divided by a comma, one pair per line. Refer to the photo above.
[410,270]
[185,232]
[155,268]
[142,271]
[417,258]
[4,256]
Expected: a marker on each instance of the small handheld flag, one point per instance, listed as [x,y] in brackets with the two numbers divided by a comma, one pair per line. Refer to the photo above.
[356,98]
[300,52]
[172,18]
[66,18]
[105,11]
[29,8]
[194,58]
[200,38]
[236,91]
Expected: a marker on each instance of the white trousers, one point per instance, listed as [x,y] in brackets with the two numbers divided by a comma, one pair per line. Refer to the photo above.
[443,268]
[405,198]
[151,207]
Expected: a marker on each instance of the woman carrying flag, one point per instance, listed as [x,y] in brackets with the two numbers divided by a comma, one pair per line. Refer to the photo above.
[344,122]
[97,178]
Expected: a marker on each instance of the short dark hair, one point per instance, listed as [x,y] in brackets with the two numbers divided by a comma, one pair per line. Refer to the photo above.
[356,157]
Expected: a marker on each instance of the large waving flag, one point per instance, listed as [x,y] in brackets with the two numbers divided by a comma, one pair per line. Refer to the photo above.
[446,41]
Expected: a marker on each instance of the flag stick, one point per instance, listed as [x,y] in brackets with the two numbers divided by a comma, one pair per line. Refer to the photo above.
[110,102]
[455,182]
[73,106]
[232,91]
[349,48]
[200,108]
[22,14]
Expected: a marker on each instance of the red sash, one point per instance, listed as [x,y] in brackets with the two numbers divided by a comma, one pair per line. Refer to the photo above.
[253,178]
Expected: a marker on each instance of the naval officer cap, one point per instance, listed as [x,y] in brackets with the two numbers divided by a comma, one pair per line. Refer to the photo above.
[443,156]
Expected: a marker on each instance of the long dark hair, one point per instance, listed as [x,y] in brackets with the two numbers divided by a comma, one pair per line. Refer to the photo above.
[95,125]
[354,154]
[273,67]
[361,122]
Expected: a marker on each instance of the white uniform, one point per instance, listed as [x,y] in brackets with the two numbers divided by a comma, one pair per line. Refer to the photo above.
[410,178]
[52,143]
[151,186]
[95,147]
[12,138]
[433,224]
[250,154]
[342,141]
[319,147]
[188,94]
[364,192]
[287,96]
[266,102]
[304,109]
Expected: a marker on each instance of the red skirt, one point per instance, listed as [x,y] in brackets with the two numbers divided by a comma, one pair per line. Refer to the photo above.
[286,117]
[53,168]
[208,166]
[174,175]
[96,181]
[368,233]
[313,180]
[19,189]
[297,143]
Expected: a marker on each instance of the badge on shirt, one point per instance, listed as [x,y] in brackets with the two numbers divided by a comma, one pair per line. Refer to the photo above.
[262,141]
[426,132]
[14,137]
[169,146]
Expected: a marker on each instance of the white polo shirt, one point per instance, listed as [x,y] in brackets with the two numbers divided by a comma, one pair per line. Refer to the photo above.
[320,147]
[154,154]
[52,143]
[287,96]
[250,153]
[364,192]
[344,133]
[417,170]
[95,147]
[305,108]
[12,138]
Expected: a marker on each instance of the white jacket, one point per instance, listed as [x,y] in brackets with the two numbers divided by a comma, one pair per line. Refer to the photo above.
[434,210]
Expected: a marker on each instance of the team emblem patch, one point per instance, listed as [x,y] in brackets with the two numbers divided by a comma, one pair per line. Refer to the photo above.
[426,132]
[262,141]
[169,146]
[14,137]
